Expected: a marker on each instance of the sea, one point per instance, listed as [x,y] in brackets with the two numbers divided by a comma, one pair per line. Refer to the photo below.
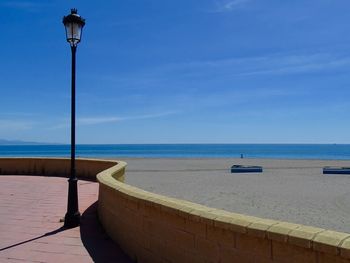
[274,151]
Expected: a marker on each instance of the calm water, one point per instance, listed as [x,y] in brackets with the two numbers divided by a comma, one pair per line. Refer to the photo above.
[292,151]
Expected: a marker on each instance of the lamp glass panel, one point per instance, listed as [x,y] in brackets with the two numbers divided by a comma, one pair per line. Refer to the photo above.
[73,31]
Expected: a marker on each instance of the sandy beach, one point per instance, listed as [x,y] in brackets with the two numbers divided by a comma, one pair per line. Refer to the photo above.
[289,190]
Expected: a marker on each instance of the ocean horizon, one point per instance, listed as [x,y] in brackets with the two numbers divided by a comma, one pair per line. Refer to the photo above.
[273,151]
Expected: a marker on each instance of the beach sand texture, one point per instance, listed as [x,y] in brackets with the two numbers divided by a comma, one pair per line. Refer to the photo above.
[289,190]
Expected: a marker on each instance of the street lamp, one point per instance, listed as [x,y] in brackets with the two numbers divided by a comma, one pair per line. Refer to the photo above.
[73,24]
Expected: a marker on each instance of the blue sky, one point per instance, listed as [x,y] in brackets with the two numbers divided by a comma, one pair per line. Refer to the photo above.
[185,71]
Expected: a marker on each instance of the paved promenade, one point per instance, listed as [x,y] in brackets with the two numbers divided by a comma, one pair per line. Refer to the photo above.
[30,229]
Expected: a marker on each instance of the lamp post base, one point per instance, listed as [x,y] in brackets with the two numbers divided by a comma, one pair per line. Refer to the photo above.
[72,217]
[72,220]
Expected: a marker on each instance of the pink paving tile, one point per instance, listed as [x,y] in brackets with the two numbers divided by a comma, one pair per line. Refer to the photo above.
[30,211]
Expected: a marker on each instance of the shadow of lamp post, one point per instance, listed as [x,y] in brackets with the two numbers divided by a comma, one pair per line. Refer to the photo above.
[73,24]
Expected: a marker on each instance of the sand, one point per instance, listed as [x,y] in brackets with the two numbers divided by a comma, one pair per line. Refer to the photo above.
[288,190]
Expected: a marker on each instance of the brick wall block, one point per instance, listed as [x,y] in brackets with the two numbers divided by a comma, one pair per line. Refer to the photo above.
[196,228]
[209,249]
[282,251]
[327,258]
[253,245]
[222,236]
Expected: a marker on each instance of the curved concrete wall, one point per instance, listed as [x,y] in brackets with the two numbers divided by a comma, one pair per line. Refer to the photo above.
[155,228]
[85,168]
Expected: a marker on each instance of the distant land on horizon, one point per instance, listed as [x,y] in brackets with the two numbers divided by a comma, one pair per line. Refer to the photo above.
[19,142]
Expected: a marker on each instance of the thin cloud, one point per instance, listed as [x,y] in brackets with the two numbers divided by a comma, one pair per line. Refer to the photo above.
[274,64]
[197,76]
[15,125]
[97,120]
[112,119]
[299,65]
[152,116]
[229,6]
[17,114]
[204,73]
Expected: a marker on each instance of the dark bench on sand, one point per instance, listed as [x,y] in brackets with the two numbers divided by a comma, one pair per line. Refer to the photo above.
[246,169]
[336,170]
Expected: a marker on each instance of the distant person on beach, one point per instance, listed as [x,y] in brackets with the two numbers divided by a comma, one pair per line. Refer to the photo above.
[241,155]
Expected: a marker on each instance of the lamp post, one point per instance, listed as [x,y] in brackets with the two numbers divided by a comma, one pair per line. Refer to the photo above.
[73,24]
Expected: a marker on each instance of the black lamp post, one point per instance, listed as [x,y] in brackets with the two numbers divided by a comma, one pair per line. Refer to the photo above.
[73,24]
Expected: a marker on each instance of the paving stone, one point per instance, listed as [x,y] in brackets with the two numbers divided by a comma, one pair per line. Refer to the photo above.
[30,211]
